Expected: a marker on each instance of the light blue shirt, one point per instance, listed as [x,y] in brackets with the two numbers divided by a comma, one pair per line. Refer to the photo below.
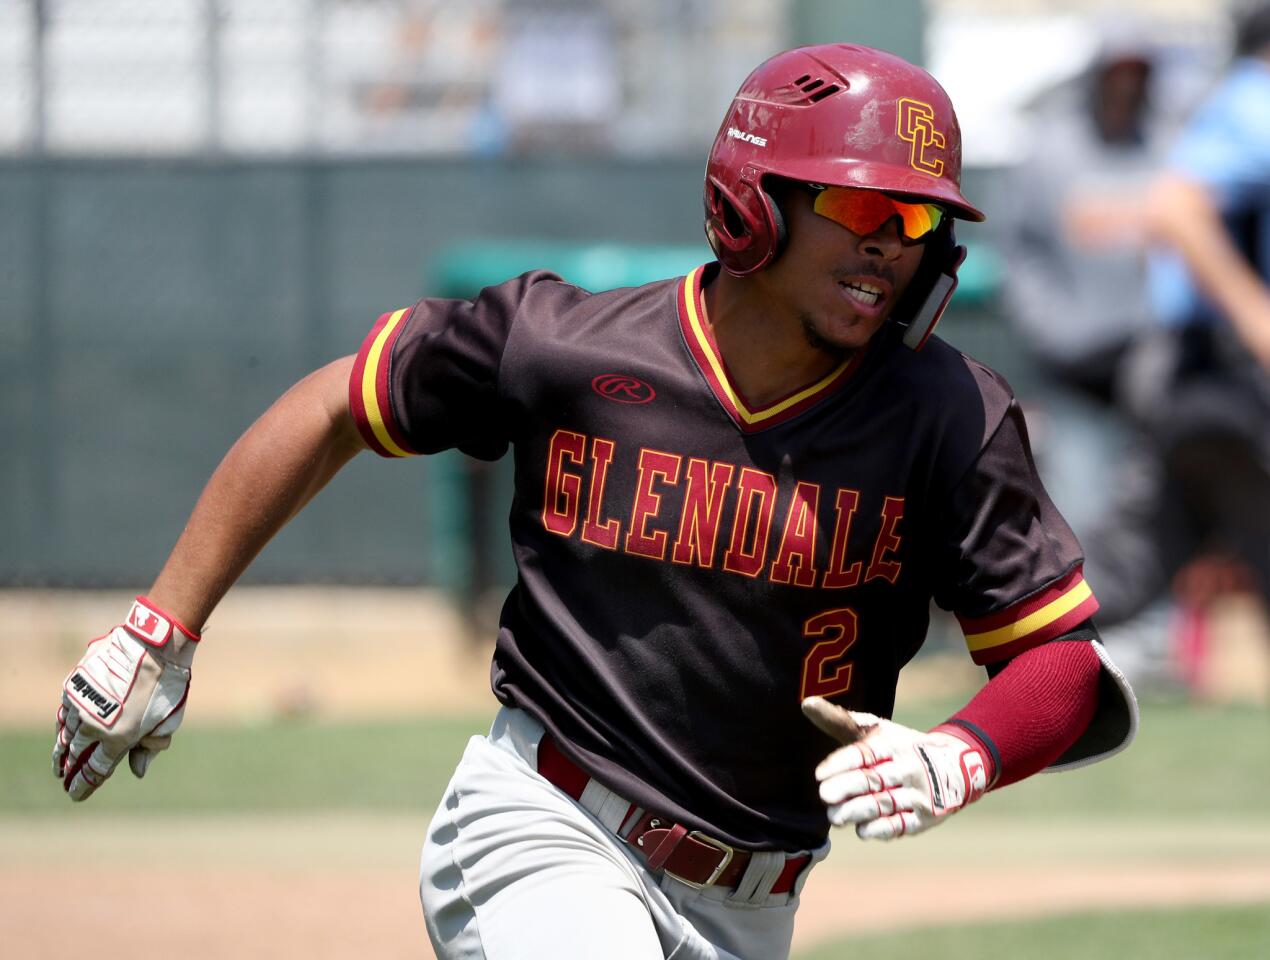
[1225,147]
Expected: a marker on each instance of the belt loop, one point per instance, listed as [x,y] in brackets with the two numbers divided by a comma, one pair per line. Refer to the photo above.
[761,874]
[817,855]
[633,816]
[605,805]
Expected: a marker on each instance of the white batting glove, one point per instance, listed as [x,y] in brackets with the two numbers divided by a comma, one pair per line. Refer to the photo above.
[125,696]
[896,780]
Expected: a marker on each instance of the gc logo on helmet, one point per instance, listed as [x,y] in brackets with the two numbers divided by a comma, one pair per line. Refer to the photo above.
[880,129]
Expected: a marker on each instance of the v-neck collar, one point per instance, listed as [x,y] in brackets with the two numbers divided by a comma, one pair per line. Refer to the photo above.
[701,344]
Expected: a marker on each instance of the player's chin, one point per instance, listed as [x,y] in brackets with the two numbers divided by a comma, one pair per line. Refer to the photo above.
[847,329]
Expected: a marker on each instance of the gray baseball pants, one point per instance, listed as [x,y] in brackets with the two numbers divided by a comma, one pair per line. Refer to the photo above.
[514,869]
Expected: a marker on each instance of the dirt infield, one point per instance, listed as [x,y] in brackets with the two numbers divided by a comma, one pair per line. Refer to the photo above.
[329,887]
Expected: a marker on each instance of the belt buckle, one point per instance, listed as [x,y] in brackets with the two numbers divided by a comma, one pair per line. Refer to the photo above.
[727,851]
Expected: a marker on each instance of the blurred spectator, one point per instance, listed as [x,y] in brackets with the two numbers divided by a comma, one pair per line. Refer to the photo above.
[1193,507]
[1075,285]
[559,82]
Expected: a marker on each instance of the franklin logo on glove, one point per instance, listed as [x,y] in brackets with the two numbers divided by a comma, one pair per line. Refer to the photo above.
[103,705]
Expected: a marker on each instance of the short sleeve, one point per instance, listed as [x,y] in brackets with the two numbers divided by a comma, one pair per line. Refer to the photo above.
[426,377]
[1010,567]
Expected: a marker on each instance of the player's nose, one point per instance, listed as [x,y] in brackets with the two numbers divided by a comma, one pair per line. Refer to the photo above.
[884,242]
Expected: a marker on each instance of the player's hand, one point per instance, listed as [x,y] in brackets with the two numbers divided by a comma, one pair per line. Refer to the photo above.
[126,696]
[894,780]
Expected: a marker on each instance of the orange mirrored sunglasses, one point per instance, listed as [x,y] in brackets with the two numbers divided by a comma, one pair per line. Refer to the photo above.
[865,211]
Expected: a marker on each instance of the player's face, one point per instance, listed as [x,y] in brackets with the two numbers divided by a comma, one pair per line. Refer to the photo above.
[841,285]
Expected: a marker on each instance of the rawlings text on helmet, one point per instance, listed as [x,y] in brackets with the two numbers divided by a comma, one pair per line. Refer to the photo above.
[736,134]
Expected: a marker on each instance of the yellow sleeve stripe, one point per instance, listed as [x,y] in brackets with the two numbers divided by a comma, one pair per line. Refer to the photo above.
[370,377]
[1033,622]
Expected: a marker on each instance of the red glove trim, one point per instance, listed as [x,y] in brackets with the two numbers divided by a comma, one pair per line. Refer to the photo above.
[976,741]
[155,629]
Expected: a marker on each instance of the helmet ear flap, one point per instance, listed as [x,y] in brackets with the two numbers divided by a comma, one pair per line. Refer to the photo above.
[728,222]
[743,227]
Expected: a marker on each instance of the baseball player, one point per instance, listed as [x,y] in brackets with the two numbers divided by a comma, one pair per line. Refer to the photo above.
[737,493]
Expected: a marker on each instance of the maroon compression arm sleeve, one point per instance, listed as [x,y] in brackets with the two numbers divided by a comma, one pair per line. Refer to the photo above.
[1033,710]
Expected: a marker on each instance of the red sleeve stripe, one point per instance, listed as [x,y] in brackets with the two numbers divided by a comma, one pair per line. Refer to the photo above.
[1041,617]
[368,388]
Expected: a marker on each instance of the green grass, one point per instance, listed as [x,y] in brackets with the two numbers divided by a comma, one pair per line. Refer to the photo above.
[288,766]
[1209,761]
[1209,933]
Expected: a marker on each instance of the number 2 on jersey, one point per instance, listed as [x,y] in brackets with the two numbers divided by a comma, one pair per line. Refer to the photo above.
[824,671]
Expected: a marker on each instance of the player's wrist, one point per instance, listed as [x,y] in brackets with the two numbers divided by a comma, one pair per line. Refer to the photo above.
[178,606]
[961,763]
[972,742]
[165,635]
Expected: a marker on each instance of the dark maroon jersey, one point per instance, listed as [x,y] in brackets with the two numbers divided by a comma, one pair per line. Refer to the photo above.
[690,566]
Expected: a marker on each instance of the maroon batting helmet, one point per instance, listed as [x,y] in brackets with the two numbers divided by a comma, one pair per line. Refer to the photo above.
[839,115]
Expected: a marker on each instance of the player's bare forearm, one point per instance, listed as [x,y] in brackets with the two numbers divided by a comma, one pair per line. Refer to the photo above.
[126,696]
[272,471]
[1183,215]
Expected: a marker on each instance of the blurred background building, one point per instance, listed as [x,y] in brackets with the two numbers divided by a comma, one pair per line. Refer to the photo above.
[424,77]
[439,77]
[201,200]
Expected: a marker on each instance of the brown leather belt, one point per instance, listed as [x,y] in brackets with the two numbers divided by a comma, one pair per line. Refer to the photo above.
[687,855]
